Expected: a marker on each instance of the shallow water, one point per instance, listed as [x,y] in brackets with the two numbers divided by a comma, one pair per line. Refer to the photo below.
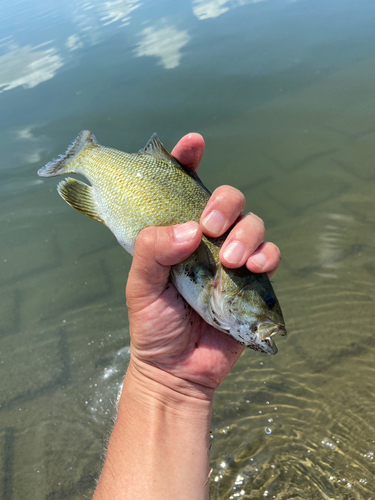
[283,92]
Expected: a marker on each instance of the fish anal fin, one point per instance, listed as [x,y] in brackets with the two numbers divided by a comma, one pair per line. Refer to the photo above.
[79,196]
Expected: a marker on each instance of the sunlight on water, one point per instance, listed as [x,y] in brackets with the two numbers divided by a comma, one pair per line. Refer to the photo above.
[283,92]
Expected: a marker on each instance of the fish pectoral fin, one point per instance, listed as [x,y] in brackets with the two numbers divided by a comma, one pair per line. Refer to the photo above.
[155,148]
[204,267]
[205,257]
[79,196]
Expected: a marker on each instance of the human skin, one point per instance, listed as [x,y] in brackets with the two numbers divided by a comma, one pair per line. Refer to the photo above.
[159,447]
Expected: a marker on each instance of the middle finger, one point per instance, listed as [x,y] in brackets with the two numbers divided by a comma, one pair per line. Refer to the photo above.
[245,237]
[222,210]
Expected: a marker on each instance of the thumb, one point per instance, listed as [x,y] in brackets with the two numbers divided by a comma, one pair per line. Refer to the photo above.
[156,250]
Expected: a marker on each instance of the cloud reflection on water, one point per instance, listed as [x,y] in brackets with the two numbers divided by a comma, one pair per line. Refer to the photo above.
[118,10]
[165,43]
[74,42]
[208,9]
[27,67]
[5,41]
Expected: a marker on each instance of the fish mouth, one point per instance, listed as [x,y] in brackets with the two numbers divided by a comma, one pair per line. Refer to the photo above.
[265,343]
[278,330]
[259,338]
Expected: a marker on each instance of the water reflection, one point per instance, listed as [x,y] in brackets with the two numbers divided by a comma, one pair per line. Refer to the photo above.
[74,42]
[5,41]
[208,9]
[88,23]
[27,67]
[93,15]
[33,146]
[118,10]
[332,244]
[165,43]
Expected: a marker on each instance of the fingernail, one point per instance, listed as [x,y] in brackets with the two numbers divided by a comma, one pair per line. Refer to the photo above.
[258,259]
[214,222]
[185,232]
[234,252]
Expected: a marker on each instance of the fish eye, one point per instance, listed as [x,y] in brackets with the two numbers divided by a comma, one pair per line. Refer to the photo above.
[270,301]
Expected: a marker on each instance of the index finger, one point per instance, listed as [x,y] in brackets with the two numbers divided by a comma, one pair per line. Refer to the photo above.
[189,150]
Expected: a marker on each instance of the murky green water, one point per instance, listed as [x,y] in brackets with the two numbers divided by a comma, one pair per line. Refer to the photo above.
[284,94]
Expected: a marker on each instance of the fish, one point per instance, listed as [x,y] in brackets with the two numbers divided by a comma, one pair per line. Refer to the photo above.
[130,192]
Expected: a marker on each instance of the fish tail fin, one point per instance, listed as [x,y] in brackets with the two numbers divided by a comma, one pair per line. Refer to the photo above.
[79,196]
[67,162]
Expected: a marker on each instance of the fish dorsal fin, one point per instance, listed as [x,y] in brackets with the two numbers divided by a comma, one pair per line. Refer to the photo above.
[155,148]
[79,196]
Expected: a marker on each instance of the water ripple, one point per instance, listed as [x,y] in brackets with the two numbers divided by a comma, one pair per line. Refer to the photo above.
[296,425]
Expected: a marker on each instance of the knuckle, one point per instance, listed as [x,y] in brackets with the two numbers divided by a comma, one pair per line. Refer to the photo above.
[147,238]
[256,223]
[257,218]
[229,195]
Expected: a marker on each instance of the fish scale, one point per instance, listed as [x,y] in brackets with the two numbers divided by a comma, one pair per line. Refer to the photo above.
[163,207]
[130,192]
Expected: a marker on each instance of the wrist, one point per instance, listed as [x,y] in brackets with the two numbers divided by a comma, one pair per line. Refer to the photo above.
[152,385]
[159,448]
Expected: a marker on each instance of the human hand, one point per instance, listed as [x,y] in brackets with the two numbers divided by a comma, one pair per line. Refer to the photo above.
[168,338]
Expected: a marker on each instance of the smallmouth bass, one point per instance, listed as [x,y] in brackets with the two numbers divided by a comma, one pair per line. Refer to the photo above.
[129,192]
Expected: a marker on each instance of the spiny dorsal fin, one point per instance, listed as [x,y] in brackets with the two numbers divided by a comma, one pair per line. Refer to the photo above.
[155,148]
[79,196]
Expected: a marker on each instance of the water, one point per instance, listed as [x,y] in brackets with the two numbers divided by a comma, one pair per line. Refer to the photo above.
[283,92]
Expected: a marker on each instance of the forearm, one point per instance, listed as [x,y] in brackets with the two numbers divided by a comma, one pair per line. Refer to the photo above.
[159,447]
